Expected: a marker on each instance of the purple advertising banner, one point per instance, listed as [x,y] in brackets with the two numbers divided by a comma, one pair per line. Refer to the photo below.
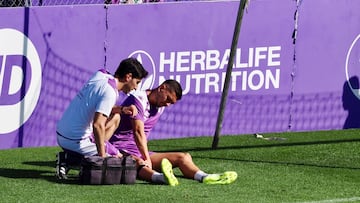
[194,50]
[281,80]
[327,58]
[61,51]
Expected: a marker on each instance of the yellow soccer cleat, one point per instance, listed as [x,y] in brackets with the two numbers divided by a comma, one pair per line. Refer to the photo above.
[221,179]
[167,170]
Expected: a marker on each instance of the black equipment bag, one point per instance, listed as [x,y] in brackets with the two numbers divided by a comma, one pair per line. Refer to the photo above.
[96,170]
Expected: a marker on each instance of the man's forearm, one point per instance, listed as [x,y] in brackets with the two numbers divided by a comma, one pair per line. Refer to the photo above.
[99,136]
[141,142]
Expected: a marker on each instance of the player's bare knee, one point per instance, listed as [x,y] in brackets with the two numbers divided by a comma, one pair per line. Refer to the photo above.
[117,119]
[186,157]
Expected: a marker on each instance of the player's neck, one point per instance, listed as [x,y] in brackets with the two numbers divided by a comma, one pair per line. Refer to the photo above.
[119,84]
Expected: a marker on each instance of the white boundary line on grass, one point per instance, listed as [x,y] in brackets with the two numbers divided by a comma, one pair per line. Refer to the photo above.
[351,199]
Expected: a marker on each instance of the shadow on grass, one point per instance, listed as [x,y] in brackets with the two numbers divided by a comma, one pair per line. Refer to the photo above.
[270,144]
[23,173]
[33,174]
[279,163]
[40,163]
[48,175]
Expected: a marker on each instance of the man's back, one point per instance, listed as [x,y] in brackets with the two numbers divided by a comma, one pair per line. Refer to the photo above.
[97,95]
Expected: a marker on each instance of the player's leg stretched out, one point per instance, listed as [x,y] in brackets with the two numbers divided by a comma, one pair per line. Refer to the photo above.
[184,162]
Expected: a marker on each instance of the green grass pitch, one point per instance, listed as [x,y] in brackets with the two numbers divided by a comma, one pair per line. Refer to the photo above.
[321,166]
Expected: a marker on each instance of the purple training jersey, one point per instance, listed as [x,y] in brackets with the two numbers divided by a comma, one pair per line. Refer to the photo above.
[123,138]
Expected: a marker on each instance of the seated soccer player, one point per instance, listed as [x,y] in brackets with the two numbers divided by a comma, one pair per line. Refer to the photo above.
[132,135]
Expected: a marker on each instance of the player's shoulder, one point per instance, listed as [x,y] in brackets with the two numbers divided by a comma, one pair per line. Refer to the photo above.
[101,74]
[140,97]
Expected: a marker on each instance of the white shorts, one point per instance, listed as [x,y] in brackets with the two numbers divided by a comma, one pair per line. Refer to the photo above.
[85,146]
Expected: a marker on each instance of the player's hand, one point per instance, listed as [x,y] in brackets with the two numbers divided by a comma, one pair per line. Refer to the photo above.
[148,163]
[130,110]
[119,155]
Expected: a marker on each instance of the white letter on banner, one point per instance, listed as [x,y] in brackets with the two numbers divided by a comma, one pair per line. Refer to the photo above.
[274,80]
[223,76]
[251,57]
[211,79]
[225,59]
[212,56]
[251,80]
[259,56]
[198,78]
[170,62]
[234,76]
[182,59]
[198,57]
[186,89]
[272,55]
[244,80]
[239,54]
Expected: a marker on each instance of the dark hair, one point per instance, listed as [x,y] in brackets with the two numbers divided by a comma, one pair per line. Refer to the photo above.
[133,66]
[175,86]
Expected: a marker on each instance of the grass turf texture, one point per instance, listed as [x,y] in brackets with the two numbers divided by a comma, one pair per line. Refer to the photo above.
[308,166]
